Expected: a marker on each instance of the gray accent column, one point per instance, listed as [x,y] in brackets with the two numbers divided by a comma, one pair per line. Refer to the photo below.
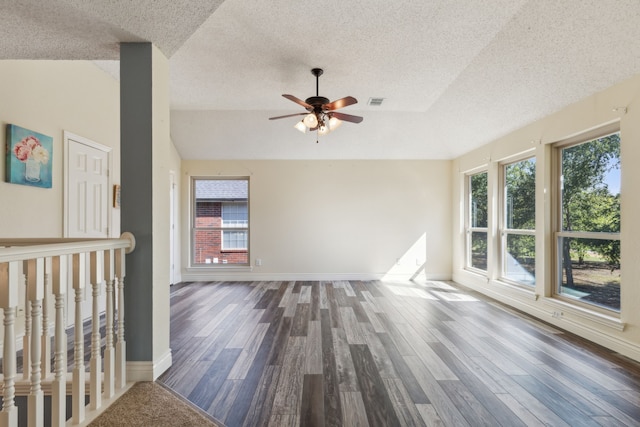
[136,148]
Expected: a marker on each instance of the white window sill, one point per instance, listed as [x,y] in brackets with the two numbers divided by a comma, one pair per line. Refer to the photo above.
[218,268]
[522,290]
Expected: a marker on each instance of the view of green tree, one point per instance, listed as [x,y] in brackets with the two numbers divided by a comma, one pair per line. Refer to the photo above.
[587,202]
[479,219]
[520,183]
[479,200]
[519,215]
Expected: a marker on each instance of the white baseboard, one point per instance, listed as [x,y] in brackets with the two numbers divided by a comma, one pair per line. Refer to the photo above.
[148,370]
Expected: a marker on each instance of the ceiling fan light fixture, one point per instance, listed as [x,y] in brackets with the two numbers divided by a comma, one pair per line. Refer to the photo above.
[334,123]
[301,126]
[310,120]
[323,129]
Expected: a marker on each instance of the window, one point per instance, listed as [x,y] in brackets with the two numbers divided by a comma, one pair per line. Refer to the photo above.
[234,215]
[220,232]
[477,221]
[518,241]
[588,231]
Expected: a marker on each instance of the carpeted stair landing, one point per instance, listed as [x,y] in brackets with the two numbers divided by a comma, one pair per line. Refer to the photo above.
[151,404]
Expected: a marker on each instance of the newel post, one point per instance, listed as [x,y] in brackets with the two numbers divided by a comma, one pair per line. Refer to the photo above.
[121,345]
[9,286]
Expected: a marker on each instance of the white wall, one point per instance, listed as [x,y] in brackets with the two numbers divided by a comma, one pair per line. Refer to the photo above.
[176,168]
[342,219]
[162,160]
[50,97]
[620,333]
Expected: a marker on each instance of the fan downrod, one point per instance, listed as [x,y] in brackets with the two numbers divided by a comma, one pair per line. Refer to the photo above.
[317,101]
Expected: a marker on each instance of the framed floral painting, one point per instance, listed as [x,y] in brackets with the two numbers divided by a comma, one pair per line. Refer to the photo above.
[29,157]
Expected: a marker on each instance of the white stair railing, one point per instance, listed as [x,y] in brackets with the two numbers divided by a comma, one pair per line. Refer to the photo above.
[39,270]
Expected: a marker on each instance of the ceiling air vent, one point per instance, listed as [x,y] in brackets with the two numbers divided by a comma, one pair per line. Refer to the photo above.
[376,102]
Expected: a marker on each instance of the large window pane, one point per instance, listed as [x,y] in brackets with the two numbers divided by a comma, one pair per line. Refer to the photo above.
[520,258]
[477,216]
[221,222]
[234,239]
[478,202]
[591,185]
[520,195]
[479,250]
[235,214]
[591,271]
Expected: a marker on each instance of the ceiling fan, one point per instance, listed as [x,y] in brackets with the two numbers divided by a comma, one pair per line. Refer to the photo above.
[321,115]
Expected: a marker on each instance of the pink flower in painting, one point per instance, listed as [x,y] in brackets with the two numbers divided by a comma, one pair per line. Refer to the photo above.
[22,152]
[31,141]
[24,149]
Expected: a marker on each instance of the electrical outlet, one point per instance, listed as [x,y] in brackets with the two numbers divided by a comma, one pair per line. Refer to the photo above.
[258,262]
[556,314]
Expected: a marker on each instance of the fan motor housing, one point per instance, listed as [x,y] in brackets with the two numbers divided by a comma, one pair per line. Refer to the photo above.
[317,101]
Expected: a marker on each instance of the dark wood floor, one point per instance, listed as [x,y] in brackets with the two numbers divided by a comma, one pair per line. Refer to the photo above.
[382,354]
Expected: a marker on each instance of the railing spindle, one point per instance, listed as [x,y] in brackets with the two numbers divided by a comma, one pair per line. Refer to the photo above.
[9,284]
[26,339]
[95,388]
[58,387]
[78,387]
[109,356]
[35,293]
[46,338]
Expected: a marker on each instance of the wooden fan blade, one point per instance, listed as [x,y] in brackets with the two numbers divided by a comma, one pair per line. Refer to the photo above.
[347,117]
[288,115]
[340,103]
[298,101]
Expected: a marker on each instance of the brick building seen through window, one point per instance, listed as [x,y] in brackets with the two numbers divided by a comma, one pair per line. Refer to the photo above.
[220,232]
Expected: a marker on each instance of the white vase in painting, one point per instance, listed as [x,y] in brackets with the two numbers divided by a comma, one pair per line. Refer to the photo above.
[32,170]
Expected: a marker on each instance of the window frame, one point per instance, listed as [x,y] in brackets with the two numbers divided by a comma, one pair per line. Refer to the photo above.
[504,230]
[221,228]
[557,222]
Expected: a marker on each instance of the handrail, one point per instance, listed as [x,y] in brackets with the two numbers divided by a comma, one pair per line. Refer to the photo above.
[23,249]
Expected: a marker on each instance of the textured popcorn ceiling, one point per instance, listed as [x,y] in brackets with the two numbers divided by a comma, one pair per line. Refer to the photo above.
[454,74]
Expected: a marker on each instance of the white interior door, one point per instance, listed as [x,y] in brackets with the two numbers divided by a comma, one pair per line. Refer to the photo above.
[87,202]
[87,188]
